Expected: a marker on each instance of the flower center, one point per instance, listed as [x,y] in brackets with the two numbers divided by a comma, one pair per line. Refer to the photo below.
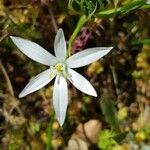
[60,67]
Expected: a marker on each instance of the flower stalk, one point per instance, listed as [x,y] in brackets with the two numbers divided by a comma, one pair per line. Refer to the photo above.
[50,132]
[83,19]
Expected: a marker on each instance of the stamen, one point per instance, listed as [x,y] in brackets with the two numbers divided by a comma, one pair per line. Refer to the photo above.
[59,67]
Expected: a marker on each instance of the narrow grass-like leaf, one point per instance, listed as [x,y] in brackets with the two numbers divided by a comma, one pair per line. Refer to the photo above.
[109,111]
[138,42]
[136,4]
[131,6]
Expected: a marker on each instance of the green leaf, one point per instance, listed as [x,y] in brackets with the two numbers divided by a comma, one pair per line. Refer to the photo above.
[109,111]
[87,7]
[138,42]
[84,6]
[131,6]
[136,4]
[107,13]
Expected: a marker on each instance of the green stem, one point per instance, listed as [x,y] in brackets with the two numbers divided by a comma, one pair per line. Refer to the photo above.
[50,132]
[133,5]
[115,80]
[83,19]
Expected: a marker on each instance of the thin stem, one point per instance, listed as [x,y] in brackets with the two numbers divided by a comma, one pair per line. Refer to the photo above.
[9,85]
[83,19]
[115,79]
[50,132]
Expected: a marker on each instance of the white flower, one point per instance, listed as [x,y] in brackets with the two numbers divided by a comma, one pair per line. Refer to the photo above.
[61,68]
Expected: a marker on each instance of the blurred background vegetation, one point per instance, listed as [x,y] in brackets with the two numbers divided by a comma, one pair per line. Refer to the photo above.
[119,118]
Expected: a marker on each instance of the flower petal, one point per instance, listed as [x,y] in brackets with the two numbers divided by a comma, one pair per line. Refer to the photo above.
[38,82]
[60,45]
[81,83]
[60,98]
[34,51]
[87,56]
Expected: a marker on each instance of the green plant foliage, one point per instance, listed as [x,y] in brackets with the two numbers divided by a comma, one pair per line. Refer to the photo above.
[135,4]
[146,130]
[106,139]
[120,137]
[109,111]
[129,7]
[144,41]
[88,7]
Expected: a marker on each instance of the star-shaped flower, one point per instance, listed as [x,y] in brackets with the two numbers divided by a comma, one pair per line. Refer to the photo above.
[61,68]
